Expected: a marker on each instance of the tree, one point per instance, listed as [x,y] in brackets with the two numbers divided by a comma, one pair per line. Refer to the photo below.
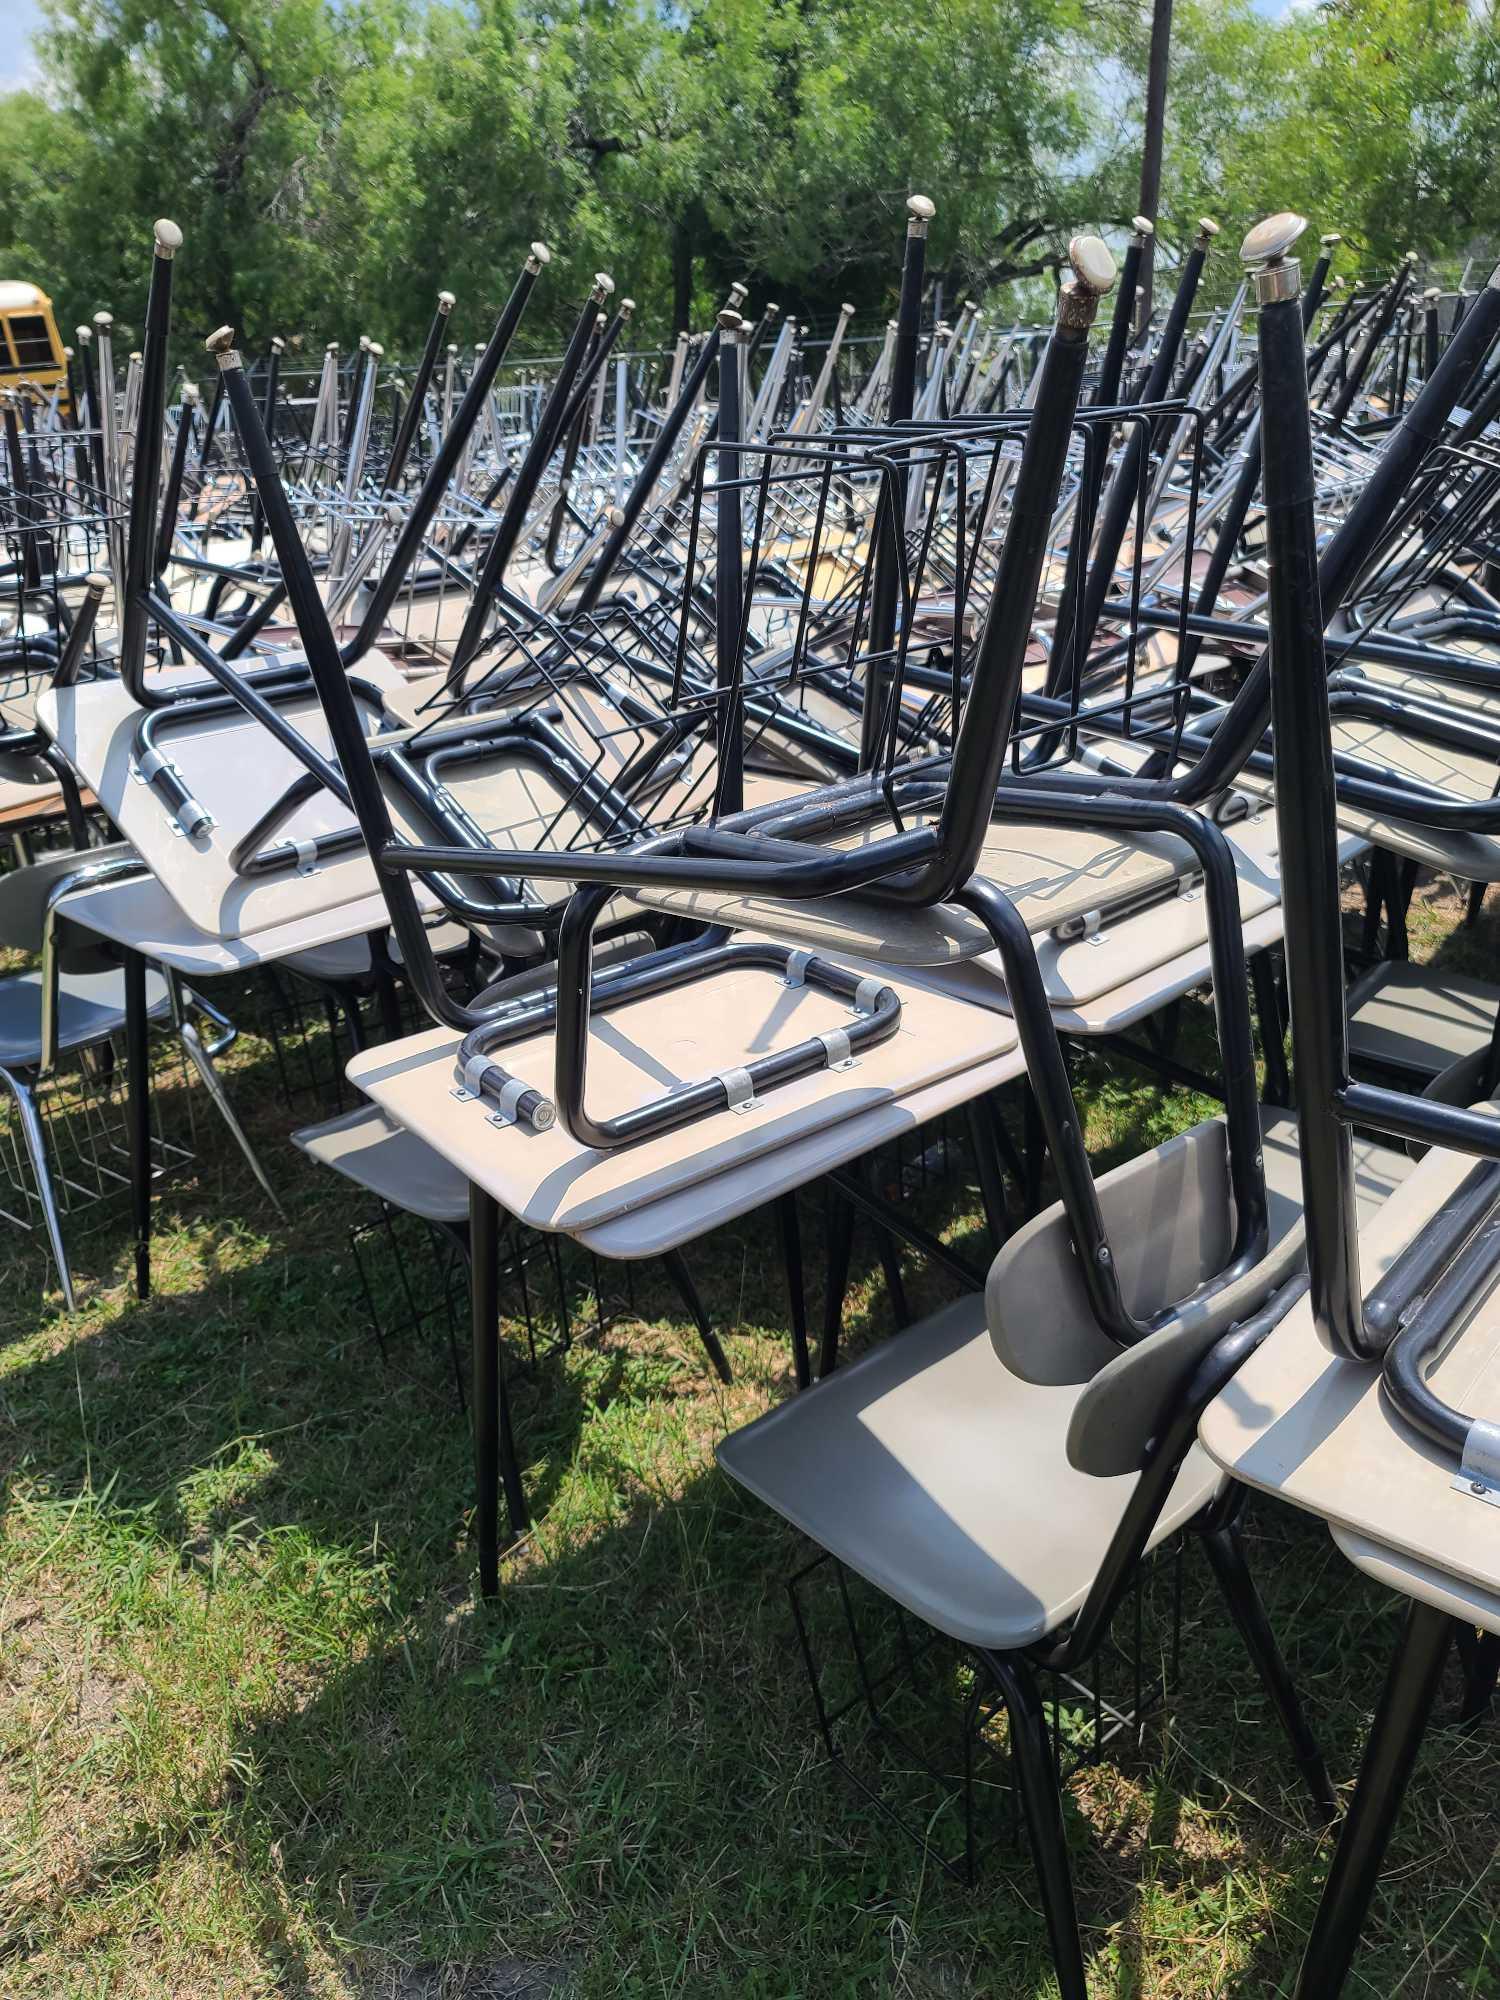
[333,163]
[213,113]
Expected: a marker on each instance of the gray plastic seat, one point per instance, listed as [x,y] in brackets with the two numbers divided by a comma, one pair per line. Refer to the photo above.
[1002,1509]
[349,958]
[90,1008]
[1418,1019]
[980,1500]
[340,959]
[386,1160]
[944,1480]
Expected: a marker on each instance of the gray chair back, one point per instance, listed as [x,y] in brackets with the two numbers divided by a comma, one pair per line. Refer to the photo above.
[1168,1215]
[24,895]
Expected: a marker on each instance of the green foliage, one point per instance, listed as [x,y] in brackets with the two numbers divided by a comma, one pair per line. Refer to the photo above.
[215,113]
[1377,117]
[334,162]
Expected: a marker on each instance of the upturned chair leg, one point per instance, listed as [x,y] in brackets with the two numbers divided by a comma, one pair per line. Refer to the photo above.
[1226,1555]
[34,1140]
[1041,1801]
[1390,1755]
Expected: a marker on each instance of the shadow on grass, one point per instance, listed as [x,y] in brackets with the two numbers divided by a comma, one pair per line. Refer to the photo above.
[609,1782]
[612,1776]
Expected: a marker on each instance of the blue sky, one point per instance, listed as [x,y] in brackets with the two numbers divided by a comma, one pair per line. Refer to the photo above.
[17,20]
[20,18]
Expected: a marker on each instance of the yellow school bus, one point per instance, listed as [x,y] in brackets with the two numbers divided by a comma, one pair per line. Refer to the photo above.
[30,351]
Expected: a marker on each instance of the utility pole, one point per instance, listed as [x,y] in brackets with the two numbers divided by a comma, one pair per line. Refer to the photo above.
[1156,109]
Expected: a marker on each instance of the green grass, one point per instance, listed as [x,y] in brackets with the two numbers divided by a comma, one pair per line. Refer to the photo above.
[258,1738]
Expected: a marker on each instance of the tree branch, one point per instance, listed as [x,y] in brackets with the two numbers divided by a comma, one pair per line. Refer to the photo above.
[598,145]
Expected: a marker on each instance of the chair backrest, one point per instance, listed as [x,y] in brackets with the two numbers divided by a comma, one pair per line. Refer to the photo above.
[24,894]
[1169,1216]
[1461,1083]
[16,768]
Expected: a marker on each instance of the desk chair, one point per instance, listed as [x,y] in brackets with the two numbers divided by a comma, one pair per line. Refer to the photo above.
[1356,1407]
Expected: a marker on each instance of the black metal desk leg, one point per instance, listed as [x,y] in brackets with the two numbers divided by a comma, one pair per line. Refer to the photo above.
[1036,1779]
[983,1116]
[138,1115]
[791,1257]
[484,1394]
[840,1246]
[1225,1551]
[1278,1085]
[1481,1671]
[676,1267]
[1395,1738]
